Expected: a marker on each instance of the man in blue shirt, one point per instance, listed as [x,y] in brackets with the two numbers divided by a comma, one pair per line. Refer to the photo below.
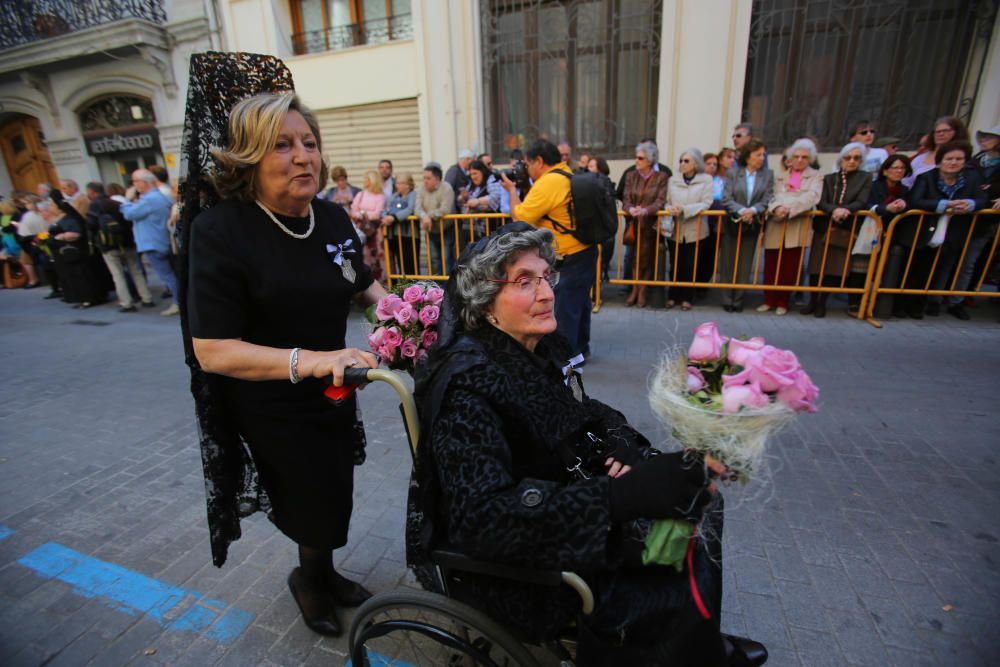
[149,210]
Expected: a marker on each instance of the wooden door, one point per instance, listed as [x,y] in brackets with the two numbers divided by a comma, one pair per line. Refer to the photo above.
[27,157]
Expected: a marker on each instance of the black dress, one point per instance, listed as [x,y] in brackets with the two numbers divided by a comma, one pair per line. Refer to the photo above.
[250,280]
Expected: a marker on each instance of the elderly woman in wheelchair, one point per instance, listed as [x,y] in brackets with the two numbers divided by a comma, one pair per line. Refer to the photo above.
[518,467]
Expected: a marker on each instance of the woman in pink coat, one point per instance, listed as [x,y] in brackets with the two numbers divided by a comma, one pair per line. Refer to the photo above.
[366,213]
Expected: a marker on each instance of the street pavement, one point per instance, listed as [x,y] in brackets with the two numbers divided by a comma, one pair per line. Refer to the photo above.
[872,541]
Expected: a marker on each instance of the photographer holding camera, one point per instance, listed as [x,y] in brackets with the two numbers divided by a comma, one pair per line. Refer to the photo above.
[547,205]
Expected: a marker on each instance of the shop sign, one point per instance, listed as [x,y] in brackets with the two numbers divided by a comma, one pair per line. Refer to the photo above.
[123,140]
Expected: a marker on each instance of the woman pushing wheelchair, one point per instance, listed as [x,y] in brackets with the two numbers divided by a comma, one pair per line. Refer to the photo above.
[518,466]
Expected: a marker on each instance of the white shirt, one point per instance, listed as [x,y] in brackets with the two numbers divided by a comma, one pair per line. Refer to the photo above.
[31,224]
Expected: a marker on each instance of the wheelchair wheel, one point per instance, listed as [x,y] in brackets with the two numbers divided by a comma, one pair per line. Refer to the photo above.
[416,628]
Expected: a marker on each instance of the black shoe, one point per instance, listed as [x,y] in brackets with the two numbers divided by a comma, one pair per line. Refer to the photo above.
[933,309]
[915,314]
[323,622]
[149,304]
[348,593]
[127,309]
[743,652]
[737,309]
[959,312]
[53,295]
[899,314]
[808,310]
[31,286]
[167,294]
[820,310]
[727,308]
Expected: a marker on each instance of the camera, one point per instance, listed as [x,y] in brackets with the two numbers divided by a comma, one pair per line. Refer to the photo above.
[518,173]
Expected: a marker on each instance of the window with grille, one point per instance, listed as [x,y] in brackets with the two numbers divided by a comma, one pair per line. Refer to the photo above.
[584,71]
[816,66]
[332,25]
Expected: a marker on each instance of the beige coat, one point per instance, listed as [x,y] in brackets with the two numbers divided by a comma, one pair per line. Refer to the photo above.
[693,197]
[799,230]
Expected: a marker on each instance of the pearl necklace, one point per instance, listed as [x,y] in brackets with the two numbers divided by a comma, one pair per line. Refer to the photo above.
[312,222]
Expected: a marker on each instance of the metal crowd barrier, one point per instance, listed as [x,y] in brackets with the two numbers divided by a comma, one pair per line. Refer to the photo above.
[454,232]
[980,218]
[457,230]
[713,243]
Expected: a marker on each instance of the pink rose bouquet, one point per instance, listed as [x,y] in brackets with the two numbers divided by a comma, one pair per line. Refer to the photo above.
[727,396]
[404,324]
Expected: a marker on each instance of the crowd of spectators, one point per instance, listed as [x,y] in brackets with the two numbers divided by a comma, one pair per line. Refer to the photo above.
[84,243]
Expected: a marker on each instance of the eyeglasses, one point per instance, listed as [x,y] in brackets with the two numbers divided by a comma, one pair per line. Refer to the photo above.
[684,160]
[851,158]
[530,284]
[640,157]
[866,132]
[738,135]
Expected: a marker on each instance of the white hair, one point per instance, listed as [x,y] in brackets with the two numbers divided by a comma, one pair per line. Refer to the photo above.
[651,151]
[699,159]
[854,145]
[804,144]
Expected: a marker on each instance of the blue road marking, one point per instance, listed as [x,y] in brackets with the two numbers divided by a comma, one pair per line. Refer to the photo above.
[5,532]
[133,593]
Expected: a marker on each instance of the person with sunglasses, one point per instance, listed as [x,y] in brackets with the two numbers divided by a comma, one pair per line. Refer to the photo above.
[845,192]
[864,132]
[518,466]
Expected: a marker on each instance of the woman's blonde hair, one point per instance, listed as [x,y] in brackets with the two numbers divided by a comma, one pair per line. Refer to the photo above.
[406,177]
[254,126]
[374,182]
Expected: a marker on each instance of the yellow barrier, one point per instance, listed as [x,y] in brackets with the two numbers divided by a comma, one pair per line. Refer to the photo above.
[714,243]
[926,267]
[405,262]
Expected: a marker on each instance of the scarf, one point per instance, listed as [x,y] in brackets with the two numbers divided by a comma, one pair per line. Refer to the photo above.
[950,190]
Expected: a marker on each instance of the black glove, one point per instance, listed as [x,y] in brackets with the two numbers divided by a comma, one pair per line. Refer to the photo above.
[668,486]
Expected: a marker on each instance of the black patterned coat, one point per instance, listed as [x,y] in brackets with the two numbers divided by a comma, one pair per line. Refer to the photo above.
[497,423]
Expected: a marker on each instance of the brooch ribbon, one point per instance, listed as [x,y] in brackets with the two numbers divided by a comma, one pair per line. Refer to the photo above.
[338,252]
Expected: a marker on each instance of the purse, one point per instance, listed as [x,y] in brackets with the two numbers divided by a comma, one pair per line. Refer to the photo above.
[630,233]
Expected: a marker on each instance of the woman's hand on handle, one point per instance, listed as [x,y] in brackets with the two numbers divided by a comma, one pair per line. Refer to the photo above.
[327,364]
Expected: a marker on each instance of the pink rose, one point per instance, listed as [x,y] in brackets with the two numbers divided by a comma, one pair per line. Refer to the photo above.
[388,353]
[801,395]
[707,343]
[409,348]
[769,367]
[739,350]
[429,315]
[429,338]
[375,338]
[413,294]
[392,337]
[695,380]
[405,314]
[387,306]
[434,295]
[735,397]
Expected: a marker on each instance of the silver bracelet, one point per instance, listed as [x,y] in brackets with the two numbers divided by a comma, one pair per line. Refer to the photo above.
[293,366]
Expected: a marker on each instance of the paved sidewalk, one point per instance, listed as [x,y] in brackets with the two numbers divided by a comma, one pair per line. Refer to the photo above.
[875,543]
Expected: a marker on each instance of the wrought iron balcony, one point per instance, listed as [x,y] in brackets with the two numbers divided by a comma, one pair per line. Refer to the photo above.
[337,38]
[26,21]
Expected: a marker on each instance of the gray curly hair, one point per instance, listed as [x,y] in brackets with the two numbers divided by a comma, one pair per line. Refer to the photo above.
[472,285]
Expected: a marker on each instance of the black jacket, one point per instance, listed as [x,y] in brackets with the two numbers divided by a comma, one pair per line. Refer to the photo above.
[859,187]
[926,194]
[107,226]
[494,475]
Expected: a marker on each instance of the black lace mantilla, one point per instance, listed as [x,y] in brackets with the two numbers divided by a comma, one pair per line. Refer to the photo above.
[217,82]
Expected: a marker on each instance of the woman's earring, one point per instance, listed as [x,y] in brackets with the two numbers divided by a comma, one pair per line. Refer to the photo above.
[492,319]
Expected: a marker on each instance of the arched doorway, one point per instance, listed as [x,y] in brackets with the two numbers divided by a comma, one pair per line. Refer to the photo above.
[120,131]
[26,154]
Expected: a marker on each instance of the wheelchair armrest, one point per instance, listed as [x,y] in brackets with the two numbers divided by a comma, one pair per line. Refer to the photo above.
[452,559]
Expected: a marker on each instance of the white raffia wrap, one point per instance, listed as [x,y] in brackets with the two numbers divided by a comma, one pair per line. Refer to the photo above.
[737,440]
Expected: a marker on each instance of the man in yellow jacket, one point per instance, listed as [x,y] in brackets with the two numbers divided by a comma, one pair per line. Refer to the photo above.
[548,205]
